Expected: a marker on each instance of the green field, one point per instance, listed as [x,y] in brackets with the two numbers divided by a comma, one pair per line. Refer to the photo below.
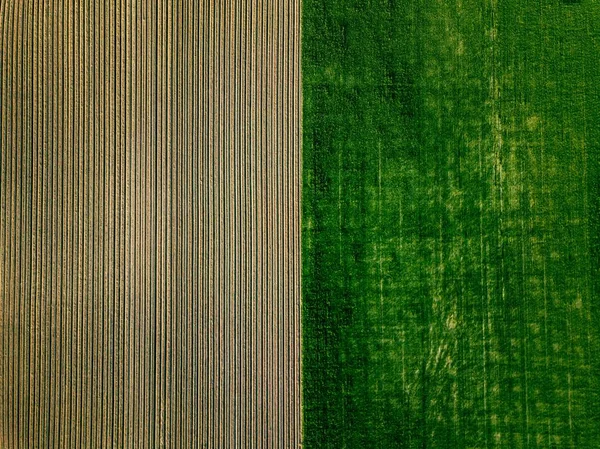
[451,245]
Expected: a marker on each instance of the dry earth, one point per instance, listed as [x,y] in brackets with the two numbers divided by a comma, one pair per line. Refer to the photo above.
[149,227]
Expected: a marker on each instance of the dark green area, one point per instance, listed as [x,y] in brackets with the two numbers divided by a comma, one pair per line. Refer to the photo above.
[451,248]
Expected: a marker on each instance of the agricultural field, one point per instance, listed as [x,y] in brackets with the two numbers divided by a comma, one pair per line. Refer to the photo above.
[451,251]
[150,224]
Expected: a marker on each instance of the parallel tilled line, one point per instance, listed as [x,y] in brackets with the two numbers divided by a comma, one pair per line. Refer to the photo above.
[36,248]
[7,180]
[4,353]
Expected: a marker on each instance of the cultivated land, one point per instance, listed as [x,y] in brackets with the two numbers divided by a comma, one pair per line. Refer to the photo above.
[450,224]
[149,224]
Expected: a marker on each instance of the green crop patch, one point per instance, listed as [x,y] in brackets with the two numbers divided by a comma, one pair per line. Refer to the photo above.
[451,195]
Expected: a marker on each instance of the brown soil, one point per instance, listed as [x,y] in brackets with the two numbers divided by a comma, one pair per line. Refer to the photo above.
[149,224]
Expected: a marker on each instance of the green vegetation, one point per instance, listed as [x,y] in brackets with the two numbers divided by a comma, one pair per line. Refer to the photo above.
[451,285]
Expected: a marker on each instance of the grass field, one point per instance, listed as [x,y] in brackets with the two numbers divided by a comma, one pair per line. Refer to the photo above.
[450,224]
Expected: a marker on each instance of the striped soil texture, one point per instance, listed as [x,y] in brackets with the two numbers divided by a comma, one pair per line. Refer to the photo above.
[149,224]
[451,252]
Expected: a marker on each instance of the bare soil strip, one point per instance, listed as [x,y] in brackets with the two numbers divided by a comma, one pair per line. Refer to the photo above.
[149,224]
